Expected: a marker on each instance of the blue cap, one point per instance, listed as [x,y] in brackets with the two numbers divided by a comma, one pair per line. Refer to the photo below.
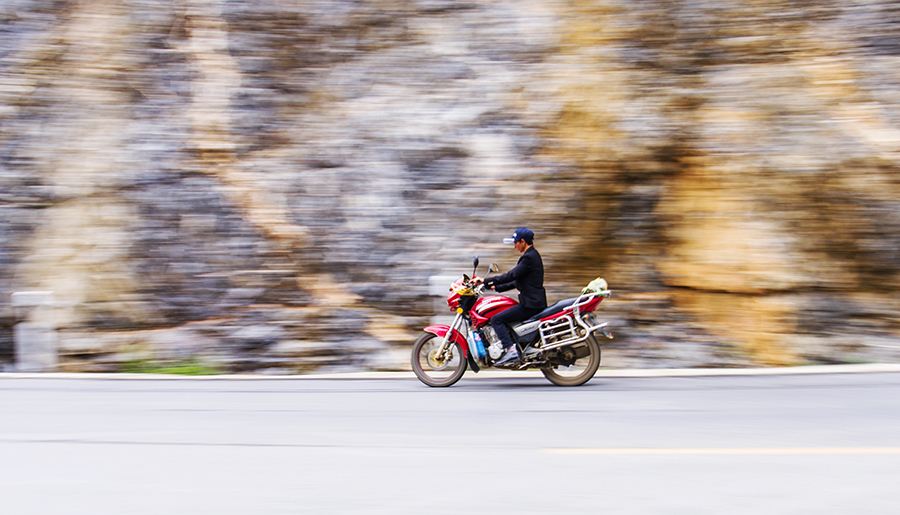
[521,233]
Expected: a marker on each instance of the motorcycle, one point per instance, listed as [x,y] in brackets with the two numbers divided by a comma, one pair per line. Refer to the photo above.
[560,341]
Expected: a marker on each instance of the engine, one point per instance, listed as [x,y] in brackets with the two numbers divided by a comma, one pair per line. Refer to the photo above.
[489,335]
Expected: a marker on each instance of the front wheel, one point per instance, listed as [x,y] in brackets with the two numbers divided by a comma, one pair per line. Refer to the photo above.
[433,370]
[577,368]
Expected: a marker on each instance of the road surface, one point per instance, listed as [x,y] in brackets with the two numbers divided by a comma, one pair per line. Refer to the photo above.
[793,444]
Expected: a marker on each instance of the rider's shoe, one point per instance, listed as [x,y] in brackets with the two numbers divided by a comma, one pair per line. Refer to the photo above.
[511,355]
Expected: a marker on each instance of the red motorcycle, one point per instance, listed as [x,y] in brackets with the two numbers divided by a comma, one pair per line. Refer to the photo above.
[559,341]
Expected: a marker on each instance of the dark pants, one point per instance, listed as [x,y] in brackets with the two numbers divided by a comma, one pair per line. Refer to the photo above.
[510,316]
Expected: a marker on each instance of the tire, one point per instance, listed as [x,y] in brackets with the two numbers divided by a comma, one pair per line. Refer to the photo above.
[578,373]
[434,374]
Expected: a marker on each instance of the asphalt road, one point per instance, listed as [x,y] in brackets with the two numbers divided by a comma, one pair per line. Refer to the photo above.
[798,444]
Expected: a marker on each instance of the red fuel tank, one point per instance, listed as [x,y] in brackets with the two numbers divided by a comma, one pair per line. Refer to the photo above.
[486,307]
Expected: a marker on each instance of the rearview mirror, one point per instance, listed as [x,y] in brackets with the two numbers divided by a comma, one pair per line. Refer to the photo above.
[494,268]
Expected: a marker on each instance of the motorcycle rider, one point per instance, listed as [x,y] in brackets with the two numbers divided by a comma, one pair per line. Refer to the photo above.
[527,277]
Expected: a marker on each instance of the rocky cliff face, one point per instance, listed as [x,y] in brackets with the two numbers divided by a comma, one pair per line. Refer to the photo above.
[268,185]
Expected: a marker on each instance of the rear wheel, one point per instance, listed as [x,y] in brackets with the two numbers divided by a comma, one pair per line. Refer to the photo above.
[575,365]
[433,370]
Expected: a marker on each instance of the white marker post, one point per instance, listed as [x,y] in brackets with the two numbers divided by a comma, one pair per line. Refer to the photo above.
[35,331]
[439,287]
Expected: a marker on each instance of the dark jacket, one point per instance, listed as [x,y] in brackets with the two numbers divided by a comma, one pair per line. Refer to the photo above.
[527,277]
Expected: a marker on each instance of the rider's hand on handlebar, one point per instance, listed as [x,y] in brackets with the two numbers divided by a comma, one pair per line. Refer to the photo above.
[479,282]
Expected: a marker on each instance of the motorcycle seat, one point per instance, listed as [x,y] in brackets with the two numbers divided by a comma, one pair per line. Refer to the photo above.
[552,310]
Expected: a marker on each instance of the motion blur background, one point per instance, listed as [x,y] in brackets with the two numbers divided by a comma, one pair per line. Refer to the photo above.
[267,185]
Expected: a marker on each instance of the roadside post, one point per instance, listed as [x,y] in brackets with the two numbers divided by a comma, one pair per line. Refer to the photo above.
[35,331]
[439,288]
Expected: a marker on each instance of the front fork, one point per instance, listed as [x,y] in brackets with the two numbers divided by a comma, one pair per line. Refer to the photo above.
[439,355]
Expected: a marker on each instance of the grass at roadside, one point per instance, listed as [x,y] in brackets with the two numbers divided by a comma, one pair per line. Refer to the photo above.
[187,367]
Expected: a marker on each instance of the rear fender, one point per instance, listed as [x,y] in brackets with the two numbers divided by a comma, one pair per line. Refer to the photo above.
[587,308]
[455,336]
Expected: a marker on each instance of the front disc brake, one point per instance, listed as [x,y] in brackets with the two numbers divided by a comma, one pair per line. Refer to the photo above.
[439,364]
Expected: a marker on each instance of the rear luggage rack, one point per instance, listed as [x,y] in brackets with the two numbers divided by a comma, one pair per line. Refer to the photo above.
[571,328]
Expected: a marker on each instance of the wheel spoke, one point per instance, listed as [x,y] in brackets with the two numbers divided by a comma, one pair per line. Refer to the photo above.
[433,369]
[577,371]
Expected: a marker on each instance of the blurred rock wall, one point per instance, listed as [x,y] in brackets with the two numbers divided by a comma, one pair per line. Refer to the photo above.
[267,185]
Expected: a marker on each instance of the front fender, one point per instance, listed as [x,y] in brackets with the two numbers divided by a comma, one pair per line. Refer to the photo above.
[456,336]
